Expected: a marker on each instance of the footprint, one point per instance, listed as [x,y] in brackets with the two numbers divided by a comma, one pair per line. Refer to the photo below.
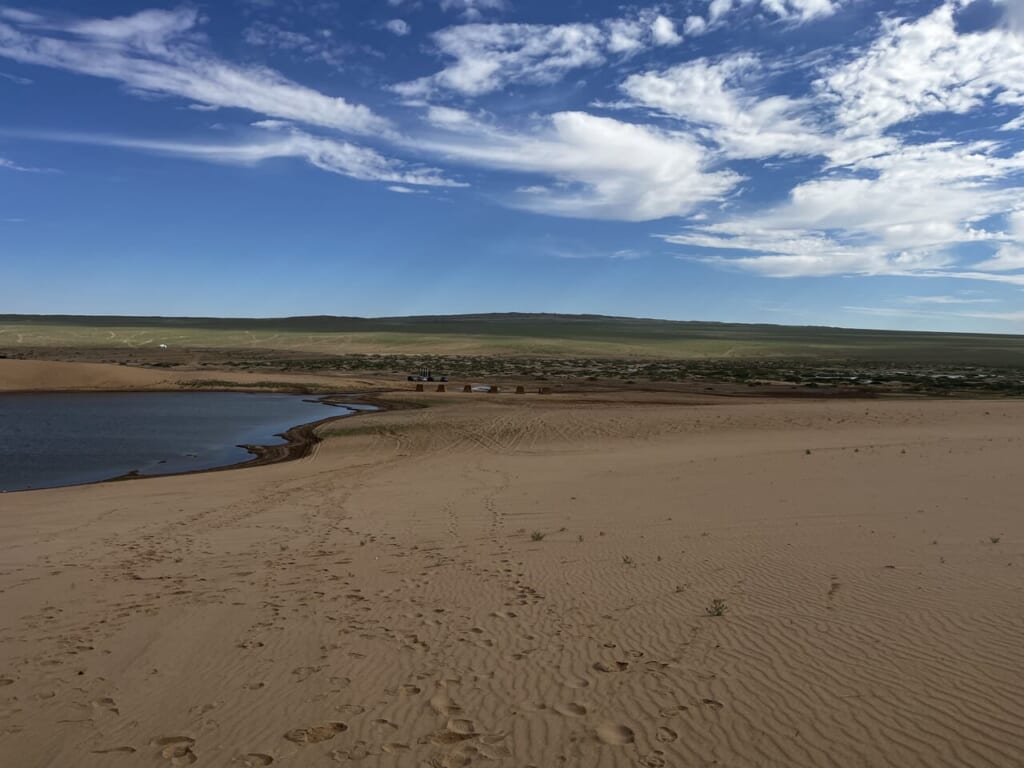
[666,735]
[615,735]
[462,727]
[360,751]
[675,711]
[409,690]
[315,733]
[394,746]
[616,666]
[572,709]
[115,751]
[442,703]
[5,681]
[492,746]
[653,760]
[577,682]
[715,705]
[177,749]
[533,706]
[107,704]
[350,709]
[381,723]
[255,760]
[303,673]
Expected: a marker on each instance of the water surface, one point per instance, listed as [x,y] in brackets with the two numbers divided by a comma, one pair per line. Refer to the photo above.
[53,439]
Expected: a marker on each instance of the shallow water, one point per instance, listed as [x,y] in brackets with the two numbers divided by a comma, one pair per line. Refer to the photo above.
[54,439]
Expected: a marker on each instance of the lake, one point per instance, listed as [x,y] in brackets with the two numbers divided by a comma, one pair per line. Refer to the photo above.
[54,439]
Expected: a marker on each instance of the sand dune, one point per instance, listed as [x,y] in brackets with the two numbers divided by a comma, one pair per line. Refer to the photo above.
[384,602]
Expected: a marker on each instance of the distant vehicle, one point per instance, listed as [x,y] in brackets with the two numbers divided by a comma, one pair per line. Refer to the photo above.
[426,376]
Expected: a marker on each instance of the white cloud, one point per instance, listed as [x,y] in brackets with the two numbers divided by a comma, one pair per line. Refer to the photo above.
[283,141]
[712,97]
[1016,124]
[901,216]
[603,168]
[663,31]
[1007,259]
[10,165]
[924,66]
[15,79]
[802,10]
[159,52]
[695,25]
[473,9]
[488,57]
[794,11]
[317,46]
[946,300]
[398,27]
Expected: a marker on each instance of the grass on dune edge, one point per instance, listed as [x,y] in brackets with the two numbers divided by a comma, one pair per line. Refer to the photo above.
[507,335]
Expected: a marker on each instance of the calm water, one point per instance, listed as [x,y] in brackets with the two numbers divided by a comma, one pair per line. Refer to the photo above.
[49,439]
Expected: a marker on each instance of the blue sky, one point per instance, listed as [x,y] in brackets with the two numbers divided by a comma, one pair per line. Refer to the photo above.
[839,162]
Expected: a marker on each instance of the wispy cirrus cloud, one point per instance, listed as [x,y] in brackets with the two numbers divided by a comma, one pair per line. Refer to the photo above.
[276,140]
[163,52]
[10,165]
[794,11]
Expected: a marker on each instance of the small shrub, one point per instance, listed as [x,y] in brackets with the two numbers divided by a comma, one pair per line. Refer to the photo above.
[995,539]
[717,608]
[537,535]
[627,560]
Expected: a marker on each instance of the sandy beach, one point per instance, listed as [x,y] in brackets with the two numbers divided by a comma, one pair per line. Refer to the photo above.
[523,581]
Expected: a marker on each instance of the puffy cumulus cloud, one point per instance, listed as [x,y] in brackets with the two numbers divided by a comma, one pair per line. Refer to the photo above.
[398,27]
[883,201]
[632,34]
[663,31]
[712,97]
[922,67]
[162,52]
[488,57]
[275,139]
[602,168]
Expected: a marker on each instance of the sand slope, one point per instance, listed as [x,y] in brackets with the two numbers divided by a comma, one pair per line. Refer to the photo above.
[42,375]
[382,602]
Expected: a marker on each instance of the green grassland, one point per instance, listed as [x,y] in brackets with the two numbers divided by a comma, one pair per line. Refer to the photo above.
[514,335]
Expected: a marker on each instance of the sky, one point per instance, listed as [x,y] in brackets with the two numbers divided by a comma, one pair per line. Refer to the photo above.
[815,162]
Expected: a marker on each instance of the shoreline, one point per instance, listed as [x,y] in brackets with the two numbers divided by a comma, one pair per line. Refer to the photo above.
[299,440]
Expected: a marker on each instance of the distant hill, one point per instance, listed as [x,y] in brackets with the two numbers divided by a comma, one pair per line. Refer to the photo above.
[510,334]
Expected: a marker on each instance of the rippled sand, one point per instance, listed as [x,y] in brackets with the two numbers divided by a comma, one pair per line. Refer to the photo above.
[385,600]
